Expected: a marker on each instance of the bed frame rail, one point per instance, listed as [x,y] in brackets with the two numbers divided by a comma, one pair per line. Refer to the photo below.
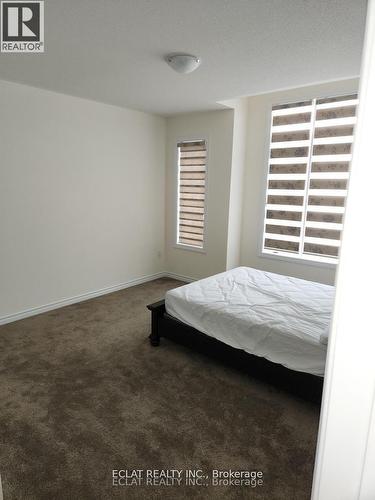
[303,385]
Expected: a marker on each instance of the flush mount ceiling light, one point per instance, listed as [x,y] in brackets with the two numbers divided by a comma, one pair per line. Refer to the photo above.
[183,63]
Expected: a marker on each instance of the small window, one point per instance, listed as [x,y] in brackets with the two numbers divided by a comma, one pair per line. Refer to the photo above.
[308,173]
[192,170]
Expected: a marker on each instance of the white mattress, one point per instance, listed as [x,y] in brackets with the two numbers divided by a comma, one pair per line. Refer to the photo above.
[281,318]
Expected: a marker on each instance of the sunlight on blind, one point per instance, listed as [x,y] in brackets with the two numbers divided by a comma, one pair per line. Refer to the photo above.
[192,158]
[310,154]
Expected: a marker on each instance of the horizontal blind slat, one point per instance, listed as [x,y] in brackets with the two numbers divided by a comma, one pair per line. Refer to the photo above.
[283,208]
[345,139]
[334,99]
[337,104]
[193,168]
[192,175]
[288,246]
[290,119]
[193,154]
[191,210]
[324,250]
[289,144]
[192,196]
[191,236]
[192,189]
[191,215]
[331,209]
[189,242]
[290,136]
[286,215]
[282,230]
[192,161]
[191,229]
[323,217]
[192,203]
[291,111]
[192,146]
[192,223]
[288,169]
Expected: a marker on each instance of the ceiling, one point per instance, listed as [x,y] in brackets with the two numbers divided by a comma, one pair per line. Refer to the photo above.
[112,51]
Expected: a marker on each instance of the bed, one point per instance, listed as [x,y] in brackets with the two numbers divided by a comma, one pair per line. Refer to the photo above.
[266,319]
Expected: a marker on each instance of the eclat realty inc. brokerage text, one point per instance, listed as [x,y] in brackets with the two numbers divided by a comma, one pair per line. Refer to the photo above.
[187,477]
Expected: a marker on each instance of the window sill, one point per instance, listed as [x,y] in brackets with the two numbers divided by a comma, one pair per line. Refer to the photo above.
[296,259]
[179,246]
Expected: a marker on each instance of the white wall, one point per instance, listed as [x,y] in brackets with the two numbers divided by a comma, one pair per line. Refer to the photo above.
[81,196]
[259,109]
[217,128]
[236,183]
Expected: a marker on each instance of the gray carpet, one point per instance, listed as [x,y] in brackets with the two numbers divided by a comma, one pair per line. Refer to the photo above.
[82,393]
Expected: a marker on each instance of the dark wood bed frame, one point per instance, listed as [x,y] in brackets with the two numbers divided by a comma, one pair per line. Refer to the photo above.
[304,385]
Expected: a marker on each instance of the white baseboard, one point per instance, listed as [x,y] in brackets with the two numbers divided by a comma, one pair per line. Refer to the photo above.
[179,277]
[89,295]
[78,298]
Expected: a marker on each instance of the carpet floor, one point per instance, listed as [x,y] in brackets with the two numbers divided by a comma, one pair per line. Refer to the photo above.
[82,393]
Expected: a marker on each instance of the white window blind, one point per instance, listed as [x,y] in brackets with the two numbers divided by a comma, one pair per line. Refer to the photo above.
[192,169]
[308,172]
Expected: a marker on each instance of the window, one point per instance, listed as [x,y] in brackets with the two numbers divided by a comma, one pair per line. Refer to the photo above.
[192,172]
[308,172]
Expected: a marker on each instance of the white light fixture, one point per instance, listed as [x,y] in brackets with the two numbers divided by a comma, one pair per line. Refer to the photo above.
[183,63]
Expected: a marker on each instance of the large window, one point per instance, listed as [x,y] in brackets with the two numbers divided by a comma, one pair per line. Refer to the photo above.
[192,170]
[308,171]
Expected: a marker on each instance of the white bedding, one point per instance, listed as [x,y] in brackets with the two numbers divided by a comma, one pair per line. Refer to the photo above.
[283,319]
